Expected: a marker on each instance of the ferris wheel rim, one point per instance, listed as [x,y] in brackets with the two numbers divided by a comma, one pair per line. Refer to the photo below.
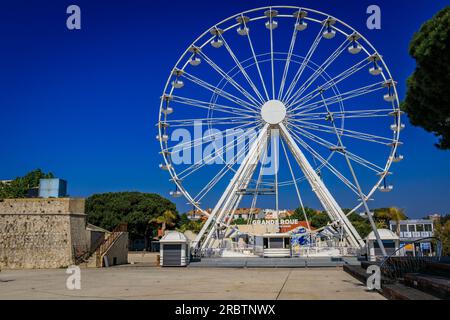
[385,70]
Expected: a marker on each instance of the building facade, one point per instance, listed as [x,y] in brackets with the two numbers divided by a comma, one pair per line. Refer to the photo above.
[410,232]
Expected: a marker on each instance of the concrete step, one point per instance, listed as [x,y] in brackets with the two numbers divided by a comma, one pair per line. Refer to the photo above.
[439,269]
[399,291]
[434,285]
[361,274]
[390,290]
[366,264]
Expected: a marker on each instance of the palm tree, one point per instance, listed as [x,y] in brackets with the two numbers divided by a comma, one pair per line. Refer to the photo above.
[387,214]
[166,219]
[397,214]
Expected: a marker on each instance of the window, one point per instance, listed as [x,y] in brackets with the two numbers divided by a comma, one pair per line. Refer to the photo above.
[394,227]
[276,243]
[403,228]
[266,243]
[428,227]
[419,227]
[386,243]
[411,228]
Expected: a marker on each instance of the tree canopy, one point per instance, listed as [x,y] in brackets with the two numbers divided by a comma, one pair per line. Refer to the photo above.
[138,210]
[185,224]
[427,101]
[18,188]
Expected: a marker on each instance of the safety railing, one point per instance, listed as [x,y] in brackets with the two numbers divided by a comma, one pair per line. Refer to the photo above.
[325,251]
[106,244]
[394,267]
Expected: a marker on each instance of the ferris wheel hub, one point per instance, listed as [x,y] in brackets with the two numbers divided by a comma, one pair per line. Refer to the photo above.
[273,112]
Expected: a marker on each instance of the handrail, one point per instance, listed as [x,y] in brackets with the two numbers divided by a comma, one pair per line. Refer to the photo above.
[402,265]
[106,244]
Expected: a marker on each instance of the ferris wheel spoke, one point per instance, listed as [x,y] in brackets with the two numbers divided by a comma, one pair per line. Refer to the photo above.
[209,121]
[331,82]
[338,98]
[344,132]
[362,196]
[256,60]
[320,70]
[203,161]
[345,114]
[305,62]
[219,91]
[325,162]
[226,168]
[241,68]
[201,140]
[242,111]
[229,79]
[288,60]
[272,67]
[331,146]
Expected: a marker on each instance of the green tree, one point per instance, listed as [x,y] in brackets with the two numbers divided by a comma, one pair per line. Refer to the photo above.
[108,210]
[361,224]
[382,217]
[167,220]
[427,101]
[194,226]
[239,221]
[319,220]
[184,219]
[442,232]
[300,215]
[18,188]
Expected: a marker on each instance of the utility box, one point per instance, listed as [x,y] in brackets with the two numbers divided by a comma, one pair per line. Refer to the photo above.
[52,188]
[174,250]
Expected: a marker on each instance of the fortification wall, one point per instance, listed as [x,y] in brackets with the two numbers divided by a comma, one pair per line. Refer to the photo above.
[41,233]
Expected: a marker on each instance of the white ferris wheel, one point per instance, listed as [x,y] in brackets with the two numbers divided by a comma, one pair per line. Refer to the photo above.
[284,72]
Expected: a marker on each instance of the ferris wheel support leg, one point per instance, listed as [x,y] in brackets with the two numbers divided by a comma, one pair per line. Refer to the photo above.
[327,200]
[242,180]
[229,196]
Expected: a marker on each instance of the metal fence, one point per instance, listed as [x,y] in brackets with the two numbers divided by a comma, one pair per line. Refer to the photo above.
[259,251]
[394,267]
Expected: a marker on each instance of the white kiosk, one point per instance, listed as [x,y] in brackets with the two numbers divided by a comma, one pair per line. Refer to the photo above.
[174,250]
[390,240]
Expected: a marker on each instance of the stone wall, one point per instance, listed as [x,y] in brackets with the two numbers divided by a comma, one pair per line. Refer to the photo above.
[41,233]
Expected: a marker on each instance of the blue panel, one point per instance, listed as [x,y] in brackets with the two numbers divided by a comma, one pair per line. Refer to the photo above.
[52,188]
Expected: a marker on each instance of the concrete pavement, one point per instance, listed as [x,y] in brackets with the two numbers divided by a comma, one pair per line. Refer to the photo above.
[149,282]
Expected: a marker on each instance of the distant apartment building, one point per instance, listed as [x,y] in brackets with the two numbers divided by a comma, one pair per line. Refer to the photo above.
[272,214]
[198,214]
[434,217]
[246,213]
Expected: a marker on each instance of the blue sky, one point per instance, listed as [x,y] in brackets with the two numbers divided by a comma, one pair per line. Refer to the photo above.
[83,104]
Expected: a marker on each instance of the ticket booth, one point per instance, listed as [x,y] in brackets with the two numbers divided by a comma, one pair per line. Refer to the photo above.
[277,245]
[174,250]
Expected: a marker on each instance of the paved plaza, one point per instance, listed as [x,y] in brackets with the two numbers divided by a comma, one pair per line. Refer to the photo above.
[146,281]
